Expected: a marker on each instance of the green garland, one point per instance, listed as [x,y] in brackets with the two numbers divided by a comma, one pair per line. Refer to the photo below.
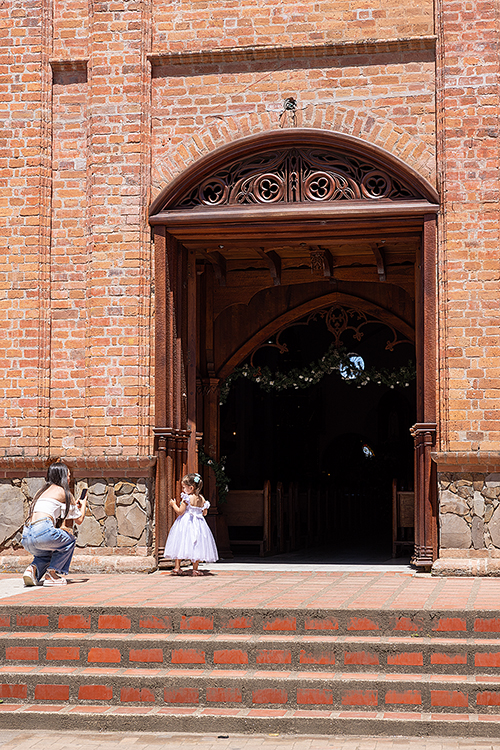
[307,376]
[221,478]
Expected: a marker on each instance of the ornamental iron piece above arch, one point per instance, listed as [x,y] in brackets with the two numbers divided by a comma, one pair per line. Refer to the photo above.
[294,175]
[338,320]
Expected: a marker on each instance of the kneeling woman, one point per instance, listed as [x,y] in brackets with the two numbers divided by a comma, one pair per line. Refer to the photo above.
[52,547]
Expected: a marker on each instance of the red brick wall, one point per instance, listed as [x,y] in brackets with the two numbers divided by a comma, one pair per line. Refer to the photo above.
[194,24]
[99,112]
[469,260]
[385,98]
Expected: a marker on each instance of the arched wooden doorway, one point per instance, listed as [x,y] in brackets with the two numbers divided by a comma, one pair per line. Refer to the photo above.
[286,218]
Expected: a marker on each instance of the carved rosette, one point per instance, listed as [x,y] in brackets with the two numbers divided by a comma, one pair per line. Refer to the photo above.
[296,176]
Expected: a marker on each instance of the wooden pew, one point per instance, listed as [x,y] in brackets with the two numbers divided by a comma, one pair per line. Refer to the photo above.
[250,508]
[403,512]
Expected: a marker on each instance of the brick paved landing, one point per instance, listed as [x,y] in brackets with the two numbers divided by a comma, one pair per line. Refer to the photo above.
[262,651]
[390,591]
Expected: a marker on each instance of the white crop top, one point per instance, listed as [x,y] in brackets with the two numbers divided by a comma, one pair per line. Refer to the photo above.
[55,508]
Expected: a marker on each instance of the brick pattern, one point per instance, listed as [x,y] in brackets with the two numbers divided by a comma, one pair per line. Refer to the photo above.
[327,627]
[405,127]
[252,23]
[299,689]
[468,116]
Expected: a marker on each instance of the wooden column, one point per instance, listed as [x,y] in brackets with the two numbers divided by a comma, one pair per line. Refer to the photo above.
[171,433]
[190,349]
[424,431]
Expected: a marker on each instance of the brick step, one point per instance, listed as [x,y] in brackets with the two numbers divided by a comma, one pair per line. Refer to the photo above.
[434,623]
[279,652]
[247,720]
[252,688]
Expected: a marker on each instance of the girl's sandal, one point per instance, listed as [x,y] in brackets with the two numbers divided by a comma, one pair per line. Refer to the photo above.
[196,572]
[175,572]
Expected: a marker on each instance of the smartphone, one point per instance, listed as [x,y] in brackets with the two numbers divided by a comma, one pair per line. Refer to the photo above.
[83,495]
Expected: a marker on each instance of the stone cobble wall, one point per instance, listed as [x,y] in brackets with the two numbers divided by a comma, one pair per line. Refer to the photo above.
[120,514]
[469,512]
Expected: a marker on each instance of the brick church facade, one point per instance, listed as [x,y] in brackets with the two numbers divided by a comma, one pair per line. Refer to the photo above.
[182,182]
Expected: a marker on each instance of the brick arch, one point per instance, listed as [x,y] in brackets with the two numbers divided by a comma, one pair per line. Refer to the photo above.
[378,131]
[241,148]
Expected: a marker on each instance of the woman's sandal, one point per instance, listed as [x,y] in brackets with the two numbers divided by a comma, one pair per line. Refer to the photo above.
[51,580]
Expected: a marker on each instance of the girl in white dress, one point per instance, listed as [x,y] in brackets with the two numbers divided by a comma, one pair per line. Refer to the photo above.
[190,537]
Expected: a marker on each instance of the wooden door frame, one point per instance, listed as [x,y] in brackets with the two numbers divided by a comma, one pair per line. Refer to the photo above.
[175,311]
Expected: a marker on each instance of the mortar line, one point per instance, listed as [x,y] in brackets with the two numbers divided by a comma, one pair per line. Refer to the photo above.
[367,585]
[473,594]
[432,597]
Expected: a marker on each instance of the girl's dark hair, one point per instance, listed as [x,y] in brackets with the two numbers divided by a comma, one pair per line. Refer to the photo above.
[57,473]
[193,480]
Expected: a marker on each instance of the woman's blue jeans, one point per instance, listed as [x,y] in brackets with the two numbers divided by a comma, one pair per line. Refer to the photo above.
[51,548]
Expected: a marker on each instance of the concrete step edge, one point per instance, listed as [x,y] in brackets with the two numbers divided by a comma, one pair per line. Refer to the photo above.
[341,621]
[247,721]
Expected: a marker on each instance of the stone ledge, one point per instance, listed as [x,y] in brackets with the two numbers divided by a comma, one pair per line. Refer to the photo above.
[87,563]
[463,461]
[469,554]
[14,467]
[466,566]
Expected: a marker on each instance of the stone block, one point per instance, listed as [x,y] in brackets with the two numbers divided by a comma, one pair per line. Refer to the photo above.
[451,503]
[478,504]
[31,485]
[494,527]
[110,503]
[98,511]
[455,532]
[90,533]
[140,498]
[124,488]
[492,480]
[110,531]
[131,521]
[98,488]
[11,510]
[477,531]
[126,499]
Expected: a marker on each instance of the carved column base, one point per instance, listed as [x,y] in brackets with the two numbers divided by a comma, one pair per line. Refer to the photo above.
[423,558]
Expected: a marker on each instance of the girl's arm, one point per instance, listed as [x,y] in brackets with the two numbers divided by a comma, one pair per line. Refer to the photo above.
[179,509]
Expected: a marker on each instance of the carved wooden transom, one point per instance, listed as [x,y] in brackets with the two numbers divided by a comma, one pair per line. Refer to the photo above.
[297,176]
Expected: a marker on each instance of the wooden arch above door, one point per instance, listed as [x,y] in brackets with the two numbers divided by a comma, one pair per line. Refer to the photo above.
[328,300]
[350,168]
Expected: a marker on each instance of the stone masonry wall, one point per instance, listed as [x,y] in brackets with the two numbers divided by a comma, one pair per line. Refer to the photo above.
[120,516]
[469,512]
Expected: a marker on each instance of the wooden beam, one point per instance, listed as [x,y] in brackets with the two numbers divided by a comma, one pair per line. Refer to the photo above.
[324,256]
[218,264]
[378,252]
[274,262]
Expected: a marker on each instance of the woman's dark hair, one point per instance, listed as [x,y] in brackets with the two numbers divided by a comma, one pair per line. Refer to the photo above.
[57,473]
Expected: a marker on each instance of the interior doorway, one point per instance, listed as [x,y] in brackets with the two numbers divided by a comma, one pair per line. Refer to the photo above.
[339,444]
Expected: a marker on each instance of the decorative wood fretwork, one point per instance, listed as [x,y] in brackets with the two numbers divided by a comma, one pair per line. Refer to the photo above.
[296,176]
[338,320]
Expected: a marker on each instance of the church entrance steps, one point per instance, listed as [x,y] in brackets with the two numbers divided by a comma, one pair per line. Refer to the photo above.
[68,659]
[247,720]
[251,651]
